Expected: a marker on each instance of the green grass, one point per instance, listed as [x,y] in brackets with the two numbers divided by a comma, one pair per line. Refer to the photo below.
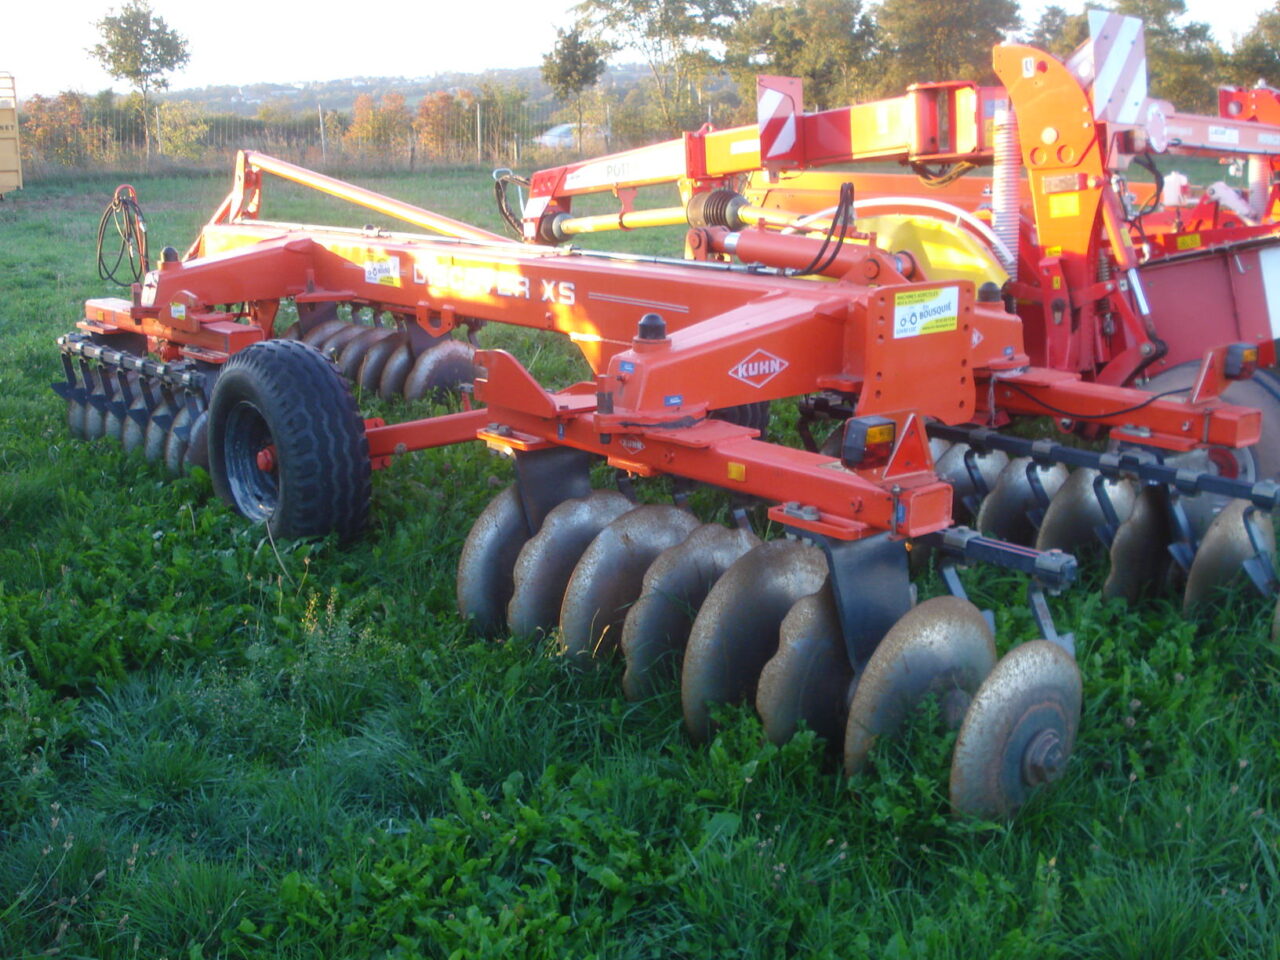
[213,747]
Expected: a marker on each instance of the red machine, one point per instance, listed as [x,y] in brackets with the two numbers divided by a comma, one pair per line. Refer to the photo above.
[1110,282]
[820,627]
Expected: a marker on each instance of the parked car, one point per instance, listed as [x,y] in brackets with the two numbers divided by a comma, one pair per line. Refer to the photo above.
[564,136]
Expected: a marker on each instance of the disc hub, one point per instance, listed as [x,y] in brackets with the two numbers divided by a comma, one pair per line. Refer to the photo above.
[1044,759]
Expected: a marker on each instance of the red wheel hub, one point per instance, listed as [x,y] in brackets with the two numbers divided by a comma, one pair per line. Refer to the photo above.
[267,459]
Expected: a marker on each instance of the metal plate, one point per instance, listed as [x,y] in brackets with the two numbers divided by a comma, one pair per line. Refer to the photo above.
[1019,731]
[657,626]
[1224,550]
[608,577]
[736,630]
[484,570]
[809,679]
[942,647]
[547,559]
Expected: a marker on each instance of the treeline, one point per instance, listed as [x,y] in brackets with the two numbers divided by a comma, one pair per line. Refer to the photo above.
[700,61]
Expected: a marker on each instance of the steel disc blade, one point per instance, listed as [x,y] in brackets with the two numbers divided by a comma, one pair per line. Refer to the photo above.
[292,332]
[484,569]
[656,628]
[1018,732]
[175,443]
[1075,512]
[322,331]
[95,413]
[1005,513]
[736,630]
[332,345]
[1225,548]
[443,367]
[942,647]
[394,371]
[608,577]
[369,376]
[352,356]
[134,430]
[809,677]
[951,467]
[547,559]
[1139,552]
[116,417]
[75,418]
[197,454]
[157,431]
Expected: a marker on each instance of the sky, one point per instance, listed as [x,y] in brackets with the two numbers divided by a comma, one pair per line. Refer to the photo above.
[43,43]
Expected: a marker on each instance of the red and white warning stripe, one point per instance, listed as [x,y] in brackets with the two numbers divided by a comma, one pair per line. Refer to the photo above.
[779,100]
[1114,64]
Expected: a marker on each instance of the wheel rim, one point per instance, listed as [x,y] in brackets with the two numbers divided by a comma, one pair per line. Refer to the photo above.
[256,490]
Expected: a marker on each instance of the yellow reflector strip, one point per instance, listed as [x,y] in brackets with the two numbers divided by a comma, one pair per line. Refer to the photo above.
[737,471]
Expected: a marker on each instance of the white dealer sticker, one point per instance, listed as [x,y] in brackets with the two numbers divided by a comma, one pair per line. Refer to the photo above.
[386,272]
[917,312]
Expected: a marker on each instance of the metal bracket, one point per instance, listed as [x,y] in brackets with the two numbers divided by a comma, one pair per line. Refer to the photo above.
[545,478]
[1259,567]
[1044,619]
[950,573]
[871,583]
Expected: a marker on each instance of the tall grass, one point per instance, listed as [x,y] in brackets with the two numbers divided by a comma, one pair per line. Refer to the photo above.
[213,746]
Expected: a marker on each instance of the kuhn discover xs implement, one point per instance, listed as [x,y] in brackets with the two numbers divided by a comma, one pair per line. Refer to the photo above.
[820,626]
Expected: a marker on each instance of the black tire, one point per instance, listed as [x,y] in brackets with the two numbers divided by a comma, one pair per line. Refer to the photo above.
[284,394]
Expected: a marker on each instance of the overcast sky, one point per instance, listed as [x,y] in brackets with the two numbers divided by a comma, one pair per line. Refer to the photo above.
[43,43]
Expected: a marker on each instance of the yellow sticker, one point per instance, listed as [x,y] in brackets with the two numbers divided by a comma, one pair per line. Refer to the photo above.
[917,312]
[1064,204]
[1188,242]
[1057,283]
[737,471]
[178,311]
[1053,251]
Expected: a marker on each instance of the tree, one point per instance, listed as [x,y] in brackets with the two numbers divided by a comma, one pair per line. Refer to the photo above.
[951,40]
[139,47]
[572,67]
[1257,55]
[1059,32]
[681,42]
[831,44]
[1181,57]
[384,127]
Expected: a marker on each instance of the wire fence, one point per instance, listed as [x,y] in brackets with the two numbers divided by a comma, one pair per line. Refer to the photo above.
[74,133]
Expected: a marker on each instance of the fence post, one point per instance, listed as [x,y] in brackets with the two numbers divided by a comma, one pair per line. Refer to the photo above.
[479,136]
[324,148]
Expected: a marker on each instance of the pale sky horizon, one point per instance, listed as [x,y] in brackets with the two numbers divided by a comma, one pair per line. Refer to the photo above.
[45,45]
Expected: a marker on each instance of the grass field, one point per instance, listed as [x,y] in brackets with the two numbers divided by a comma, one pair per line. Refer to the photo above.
[212,746]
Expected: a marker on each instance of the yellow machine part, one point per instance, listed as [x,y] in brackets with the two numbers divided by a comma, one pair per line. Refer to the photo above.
[944,250]
[10,156]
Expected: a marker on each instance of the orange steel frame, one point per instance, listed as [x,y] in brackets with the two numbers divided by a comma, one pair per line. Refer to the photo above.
[732,336]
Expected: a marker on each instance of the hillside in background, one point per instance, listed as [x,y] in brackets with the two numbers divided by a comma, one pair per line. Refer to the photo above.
[248,99]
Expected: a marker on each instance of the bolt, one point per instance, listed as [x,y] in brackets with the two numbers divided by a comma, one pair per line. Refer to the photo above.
[1043,759]
[1146,349]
